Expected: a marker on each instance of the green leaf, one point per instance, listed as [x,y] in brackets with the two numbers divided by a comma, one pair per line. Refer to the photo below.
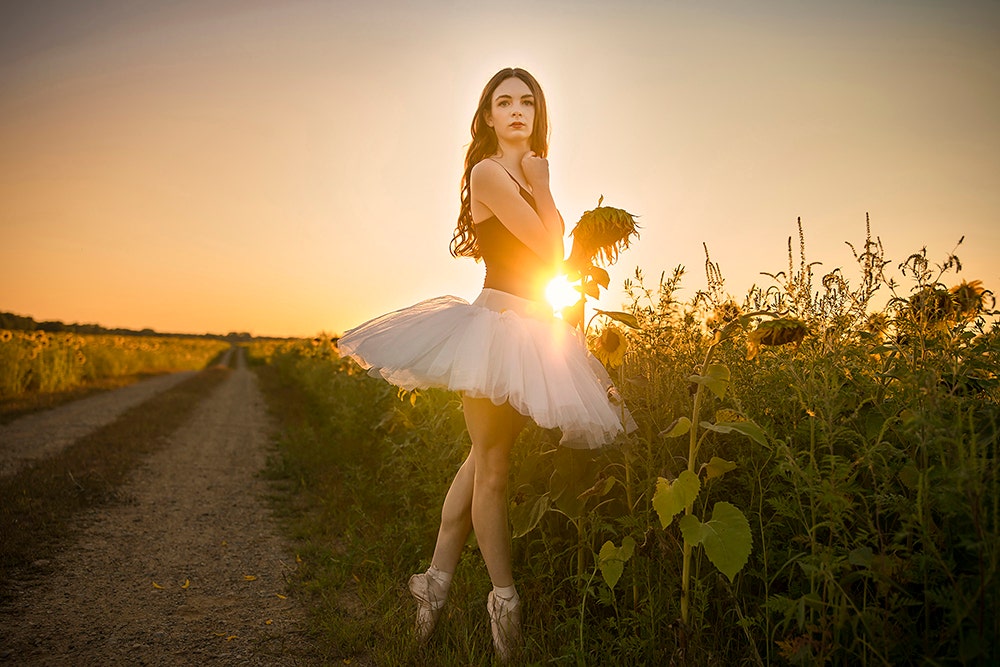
[628,319]
[670,499]
[680,426]
[716,378]
[600,275]
[749,429]
[600,488]
[612,560]
[591,289]
[861,556]
[718,467]
[726,537]
[526,515]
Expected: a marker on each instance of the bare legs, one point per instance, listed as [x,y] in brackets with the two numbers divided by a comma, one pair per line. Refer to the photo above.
[477,499]
[478,494]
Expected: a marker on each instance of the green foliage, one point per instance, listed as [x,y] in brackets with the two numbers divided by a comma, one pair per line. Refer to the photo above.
[612,559]
[726,537]
[860,463]
[671,499]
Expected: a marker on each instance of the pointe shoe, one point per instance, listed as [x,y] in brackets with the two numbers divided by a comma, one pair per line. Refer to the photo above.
[505,622]
[430,601]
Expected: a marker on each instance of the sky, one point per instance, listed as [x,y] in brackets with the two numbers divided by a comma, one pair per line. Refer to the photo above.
[200,166]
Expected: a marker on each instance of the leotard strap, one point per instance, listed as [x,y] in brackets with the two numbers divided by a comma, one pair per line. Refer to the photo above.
[511,175]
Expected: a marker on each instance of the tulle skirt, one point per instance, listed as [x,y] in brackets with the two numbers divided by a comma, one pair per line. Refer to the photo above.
[501,347]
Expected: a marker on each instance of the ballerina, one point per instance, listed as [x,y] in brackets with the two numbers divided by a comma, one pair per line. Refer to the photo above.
[506,353]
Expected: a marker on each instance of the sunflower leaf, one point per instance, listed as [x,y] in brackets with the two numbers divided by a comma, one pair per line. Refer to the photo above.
[628,319]
[716,378]
[726,537]
[671,498]
[602,277]
[679,427]
[747,428]
[717,467]
[612,559]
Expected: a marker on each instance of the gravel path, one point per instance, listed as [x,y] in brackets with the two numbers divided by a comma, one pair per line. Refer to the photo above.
[196,524]
[46,433]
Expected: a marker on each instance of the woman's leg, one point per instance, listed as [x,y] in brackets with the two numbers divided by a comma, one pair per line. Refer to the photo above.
[430,588]
[456,518]
[493,430]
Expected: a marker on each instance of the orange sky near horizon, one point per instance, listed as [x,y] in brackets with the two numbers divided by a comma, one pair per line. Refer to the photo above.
[289,168]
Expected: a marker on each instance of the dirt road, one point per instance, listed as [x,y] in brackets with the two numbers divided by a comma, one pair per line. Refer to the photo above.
[189,571]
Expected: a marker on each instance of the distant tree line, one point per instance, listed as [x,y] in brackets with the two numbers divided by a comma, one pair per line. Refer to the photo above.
[13,322]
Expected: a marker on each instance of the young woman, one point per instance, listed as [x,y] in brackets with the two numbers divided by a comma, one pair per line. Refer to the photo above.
[510,358]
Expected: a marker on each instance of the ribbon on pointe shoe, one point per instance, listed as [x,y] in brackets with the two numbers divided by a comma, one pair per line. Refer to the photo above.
[505,622]
[430,593]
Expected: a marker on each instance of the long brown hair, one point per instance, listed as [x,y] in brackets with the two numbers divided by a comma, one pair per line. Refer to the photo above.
[484,144]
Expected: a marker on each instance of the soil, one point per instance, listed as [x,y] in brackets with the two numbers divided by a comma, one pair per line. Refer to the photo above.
[189,570]
[47,433]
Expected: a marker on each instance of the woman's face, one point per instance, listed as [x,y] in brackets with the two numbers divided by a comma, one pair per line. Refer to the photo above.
[512,111]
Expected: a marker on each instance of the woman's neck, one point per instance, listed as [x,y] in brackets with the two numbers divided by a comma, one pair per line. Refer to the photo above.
[510,158]
[510,154]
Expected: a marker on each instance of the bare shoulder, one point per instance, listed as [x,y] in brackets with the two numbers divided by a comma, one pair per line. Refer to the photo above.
[488,175]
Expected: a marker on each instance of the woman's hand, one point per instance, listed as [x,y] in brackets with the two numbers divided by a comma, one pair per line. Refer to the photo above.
[536,170]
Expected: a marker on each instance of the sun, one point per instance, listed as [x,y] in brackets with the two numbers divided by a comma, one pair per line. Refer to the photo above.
[560,293]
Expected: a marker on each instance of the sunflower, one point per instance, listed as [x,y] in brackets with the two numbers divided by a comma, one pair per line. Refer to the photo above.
[6,336]
[611,346]
[600,235]
[932,304]
[776,332]
[969,298]
[723,314]
[877,324]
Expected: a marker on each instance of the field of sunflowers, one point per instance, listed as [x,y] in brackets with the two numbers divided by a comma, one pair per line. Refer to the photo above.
[43,362]
[814,480]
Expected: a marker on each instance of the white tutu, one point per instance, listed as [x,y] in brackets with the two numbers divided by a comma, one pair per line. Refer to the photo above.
[501,347]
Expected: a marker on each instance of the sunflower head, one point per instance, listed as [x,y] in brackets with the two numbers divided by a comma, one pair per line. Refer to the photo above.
[723,314]
[610,346]
[776,332]
[600,235]
[877,324]
[969,298]
[932,304]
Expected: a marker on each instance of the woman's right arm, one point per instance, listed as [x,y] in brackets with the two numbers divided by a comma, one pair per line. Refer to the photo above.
[542,231]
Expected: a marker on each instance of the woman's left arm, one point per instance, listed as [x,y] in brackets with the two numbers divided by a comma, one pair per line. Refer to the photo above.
[536,171]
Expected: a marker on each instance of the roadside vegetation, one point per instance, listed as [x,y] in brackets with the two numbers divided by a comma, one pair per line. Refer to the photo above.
[40,369]
[814,480]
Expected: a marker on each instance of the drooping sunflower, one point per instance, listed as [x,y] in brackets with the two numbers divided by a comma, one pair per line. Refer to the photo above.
[610,346]
[969,298]
[932,304]
[776,332]
[600,235]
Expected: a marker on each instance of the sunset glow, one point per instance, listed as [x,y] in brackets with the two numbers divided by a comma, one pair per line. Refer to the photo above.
[561,293]
[215,167]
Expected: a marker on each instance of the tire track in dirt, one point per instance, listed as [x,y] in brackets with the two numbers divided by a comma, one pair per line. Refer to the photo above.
[195,515]
[47,433]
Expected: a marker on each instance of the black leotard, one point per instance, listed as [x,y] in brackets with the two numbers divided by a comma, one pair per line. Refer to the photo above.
[511,266]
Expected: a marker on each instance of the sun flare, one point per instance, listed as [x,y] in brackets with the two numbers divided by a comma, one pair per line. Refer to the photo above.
[560,293]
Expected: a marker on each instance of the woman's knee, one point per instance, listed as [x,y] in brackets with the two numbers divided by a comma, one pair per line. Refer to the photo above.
[492,470]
